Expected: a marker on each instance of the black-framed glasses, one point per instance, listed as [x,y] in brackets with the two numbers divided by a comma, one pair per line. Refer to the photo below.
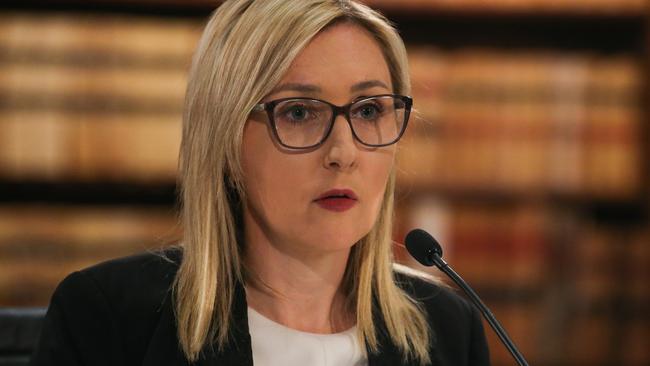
[305,123]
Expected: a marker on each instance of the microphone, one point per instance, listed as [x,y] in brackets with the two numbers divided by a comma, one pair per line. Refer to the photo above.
[426,250]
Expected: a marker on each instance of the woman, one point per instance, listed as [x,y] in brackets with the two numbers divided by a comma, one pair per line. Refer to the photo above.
[292,112]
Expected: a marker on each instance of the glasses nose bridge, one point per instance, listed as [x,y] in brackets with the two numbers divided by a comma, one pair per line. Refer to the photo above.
[342,110]
[336,111]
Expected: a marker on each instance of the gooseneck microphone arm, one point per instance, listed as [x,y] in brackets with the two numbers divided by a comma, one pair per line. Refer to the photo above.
[487,314]
[426,250]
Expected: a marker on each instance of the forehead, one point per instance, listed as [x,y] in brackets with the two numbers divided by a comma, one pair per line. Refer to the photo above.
[340,56]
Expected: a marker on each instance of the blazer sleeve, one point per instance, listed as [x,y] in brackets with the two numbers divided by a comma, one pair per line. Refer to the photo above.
[78,328]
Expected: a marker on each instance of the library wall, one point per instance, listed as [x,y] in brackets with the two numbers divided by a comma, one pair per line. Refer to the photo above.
[526,155]
[89,136]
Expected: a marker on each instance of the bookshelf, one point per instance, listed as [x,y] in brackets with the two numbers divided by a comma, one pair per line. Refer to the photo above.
[526,157]
[529,160]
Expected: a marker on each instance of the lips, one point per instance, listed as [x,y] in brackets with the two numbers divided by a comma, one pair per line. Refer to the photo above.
[337,200]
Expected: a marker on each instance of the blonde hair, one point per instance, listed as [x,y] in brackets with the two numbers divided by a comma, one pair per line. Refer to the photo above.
[245,49]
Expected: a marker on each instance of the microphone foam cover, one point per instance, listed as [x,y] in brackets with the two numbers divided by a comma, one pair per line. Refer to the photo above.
[421,245]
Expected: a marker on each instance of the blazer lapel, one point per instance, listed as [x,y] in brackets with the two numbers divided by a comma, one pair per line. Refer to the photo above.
[239,351]
[164,347]
[388,354]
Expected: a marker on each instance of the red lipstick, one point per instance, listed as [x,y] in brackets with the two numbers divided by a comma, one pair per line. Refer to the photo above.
[337,200]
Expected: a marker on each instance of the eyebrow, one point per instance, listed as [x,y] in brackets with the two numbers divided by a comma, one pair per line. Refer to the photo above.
[311,88]
[306,88]
[367,85]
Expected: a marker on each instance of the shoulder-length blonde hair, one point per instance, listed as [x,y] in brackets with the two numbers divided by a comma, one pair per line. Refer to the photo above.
[245,49]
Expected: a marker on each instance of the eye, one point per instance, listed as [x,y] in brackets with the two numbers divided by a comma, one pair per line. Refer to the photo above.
[296,112]
[368,110]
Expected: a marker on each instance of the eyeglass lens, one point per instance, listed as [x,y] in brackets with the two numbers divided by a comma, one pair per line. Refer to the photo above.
[304,122]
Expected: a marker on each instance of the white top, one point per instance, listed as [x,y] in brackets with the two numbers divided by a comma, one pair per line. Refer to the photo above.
[276,345]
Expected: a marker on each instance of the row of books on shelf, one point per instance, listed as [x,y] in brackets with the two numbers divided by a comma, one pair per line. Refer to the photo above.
[95,63]
[468,155]
[525,121]
[602,340]
[70,88]
[51,146]
[555,84]
[523,247]
[548,336]
[39,245]
[98,39]
[600,258]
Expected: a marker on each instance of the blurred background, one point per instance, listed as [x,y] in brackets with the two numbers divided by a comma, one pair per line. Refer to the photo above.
[527,157]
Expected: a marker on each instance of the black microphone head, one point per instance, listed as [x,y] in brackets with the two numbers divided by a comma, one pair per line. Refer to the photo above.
[422,246]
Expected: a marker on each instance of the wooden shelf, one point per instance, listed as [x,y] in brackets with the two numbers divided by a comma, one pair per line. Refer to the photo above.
[511,9]
[88,193]
[629,206]
[567,32]
[577,9]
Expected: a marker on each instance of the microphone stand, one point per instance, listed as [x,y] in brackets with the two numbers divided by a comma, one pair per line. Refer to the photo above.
[487,314]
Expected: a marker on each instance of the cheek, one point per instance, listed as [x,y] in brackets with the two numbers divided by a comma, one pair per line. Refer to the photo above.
[269,175]
[256,163]
[255,158]
[375,169]
[378,171]
[274,185]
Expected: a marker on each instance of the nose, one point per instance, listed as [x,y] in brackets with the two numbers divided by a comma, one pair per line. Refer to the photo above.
[341,151]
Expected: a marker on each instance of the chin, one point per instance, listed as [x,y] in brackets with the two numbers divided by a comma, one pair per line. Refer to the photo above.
[337,239]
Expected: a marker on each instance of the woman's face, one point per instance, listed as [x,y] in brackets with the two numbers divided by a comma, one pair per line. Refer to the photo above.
[285,188]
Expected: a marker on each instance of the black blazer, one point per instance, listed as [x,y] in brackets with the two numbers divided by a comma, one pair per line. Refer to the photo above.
[120,313]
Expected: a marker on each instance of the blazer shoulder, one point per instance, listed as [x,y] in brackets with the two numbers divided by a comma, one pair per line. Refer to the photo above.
[436,297]
[138,281]
[456,324]
[106,314]
[429,290]
[155,266]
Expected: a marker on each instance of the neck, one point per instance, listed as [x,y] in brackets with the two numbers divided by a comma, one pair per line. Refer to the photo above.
[302,292]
